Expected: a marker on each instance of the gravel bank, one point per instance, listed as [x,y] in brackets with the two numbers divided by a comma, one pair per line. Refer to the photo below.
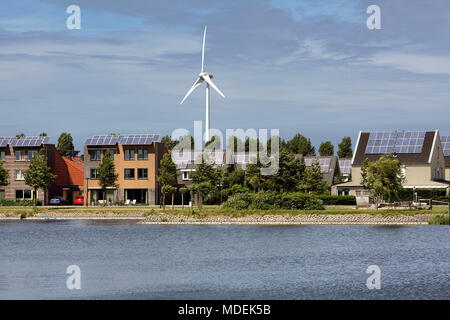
[303,219]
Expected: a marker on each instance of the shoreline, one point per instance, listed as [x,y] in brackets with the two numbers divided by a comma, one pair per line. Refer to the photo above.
[254,219]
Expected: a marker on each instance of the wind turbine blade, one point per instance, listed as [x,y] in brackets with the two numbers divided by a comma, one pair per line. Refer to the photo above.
[203,50]
[209,81]
[196,84]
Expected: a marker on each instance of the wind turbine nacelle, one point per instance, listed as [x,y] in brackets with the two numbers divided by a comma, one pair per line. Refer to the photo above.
[202,74]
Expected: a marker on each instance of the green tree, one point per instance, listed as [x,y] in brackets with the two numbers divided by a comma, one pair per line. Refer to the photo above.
[20,135]
[345,148]
[182,190]
[107,176]
[312,181]
[326,149]
[167,174]
[39,175]
[253,176]
[4,175]
[385,178]
[364,173]
[65,145]
[43,134]
[290,173]
[301,145]
[169,143]
[235,144]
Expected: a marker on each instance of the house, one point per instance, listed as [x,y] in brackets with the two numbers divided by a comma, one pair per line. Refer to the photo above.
[420,153]
[69,181]
[16,155]
[136,158]
[345,168]
[445,141]
[328,166]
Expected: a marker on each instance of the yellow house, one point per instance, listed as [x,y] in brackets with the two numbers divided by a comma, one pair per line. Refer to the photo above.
[136,159]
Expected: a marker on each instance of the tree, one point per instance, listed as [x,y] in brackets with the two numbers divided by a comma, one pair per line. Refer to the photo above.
[169,143]
[168,189]
[43,134]
[253,176]
[20,135]
[385,178]
[345,148]
[313,179]
[326,149]
[167,174]
[364,173]
[107,176]
[4,175]
[235,144]
[38,175]
[290,172]
[182,191]
[65,145]
[301,145]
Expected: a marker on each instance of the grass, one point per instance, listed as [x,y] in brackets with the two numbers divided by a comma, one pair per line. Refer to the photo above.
[439,219]
[209,211]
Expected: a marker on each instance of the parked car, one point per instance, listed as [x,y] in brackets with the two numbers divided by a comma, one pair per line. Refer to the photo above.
[79,200]
[59,201]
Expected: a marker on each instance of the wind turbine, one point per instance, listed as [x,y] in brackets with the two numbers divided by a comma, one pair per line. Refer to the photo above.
[204,76]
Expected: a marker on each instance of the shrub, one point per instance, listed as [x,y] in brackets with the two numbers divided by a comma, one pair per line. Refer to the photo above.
[19,203]
[439,220]
[337,200]
[270,200]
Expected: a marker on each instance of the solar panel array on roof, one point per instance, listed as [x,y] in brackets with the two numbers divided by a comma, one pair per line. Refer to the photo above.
[398,141]
[324,163]
[4,141]
[345,166]
[134,139]
[445,141]
[29,141]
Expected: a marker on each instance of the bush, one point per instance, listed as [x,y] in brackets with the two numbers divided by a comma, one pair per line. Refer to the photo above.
[439,220]
[337,200]
[19,203]
[270,200]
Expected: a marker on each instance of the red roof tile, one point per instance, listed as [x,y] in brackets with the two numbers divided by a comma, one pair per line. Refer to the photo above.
[68,171]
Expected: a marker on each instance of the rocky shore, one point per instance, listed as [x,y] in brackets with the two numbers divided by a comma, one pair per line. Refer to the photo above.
[300,219]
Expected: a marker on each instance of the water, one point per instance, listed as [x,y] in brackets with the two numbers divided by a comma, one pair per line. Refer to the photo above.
[122,260]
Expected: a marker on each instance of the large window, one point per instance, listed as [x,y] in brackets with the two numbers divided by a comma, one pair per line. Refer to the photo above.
[142,154]
[94,174]
[110,151]
[19,175]
[129,174]
[20,155]
[24,194]
[186,175]
[143,173]
[129,154]
[31,154]
[2,194]
[2,155]
[95,155]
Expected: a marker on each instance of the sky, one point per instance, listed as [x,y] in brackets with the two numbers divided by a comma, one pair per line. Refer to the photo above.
[305,66]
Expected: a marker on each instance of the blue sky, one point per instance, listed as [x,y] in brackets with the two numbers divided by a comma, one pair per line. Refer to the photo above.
[300,66]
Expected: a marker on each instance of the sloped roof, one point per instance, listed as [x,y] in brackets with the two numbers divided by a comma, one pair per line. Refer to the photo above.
[69,172]
[406,158]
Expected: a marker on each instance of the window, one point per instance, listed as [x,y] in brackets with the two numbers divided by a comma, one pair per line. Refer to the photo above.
[20,155]
[143,173]
[186,175]
[129,154]
[94,173]
[2,155]
[19,175]
[95,155]
[31,154]
[129,174]
[24,194]
[142,154]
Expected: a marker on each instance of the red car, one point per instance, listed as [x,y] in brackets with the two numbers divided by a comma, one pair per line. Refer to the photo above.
[79,200]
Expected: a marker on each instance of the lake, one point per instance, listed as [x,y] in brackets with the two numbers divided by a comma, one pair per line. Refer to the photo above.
[122,260]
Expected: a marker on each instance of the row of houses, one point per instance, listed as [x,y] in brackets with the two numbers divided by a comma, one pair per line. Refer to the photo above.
[425,156]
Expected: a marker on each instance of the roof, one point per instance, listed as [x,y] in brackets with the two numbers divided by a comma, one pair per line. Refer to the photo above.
[69,172]
[328,166]
[445,141]
[421,157]
[131,139]
[30,141]
[345,166]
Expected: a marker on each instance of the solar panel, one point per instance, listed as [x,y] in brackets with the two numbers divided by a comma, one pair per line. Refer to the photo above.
[139,139]
[323,162]
[108,140]
[445,141]
[29,141]
[345,166]
[4,141]
[398,141]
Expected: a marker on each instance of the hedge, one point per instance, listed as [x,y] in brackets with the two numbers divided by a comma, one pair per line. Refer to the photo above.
[14,203]
[337,200]
[268,200]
